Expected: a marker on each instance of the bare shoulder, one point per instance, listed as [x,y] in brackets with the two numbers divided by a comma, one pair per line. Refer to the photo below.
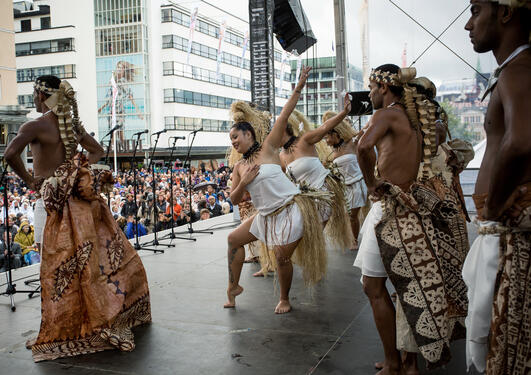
[515,79]
[32,125]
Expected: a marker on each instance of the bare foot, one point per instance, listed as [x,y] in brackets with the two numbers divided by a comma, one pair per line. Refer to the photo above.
[30,343]
[355,246]
[409,364]
[258,274]
[231,294]
[379,365]
[283,307]
[387,371]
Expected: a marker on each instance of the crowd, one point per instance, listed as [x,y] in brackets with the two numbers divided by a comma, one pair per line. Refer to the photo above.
[209,199]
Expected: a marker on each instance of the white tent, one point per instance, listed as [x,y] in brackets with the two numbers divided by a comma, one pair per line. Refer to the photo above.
[479,151]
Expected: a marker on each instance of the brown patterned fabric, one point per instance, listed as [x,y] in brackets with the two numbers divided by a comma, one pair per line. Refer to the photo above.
[510,330]
[423,261]
[94,286]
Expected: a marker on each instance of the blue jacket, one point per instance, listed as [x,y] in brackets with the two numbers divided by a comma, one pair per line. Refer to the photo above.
[130,230]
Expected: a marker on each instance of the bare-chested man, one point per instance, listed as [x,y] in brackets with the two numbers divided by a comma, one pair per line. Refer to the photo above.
[502,197]
[93,284]
[42,134]
[399,155]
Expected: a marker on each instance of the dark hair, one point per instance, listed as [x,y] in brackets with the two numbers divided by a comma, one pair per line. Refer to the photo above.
[244,126]
[393,69]
[50,81]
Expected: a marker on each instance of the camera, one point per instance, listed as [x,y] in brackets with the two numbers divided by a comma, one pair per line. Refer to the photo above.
[361,104]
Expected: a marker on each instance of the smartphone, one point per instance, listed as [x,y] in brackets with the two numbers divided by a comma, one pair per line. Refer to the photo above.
[360,103]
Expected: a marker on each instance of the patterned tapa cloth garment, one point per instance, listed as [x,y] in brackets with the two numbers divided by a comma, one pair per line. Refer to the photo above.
[423,261]
[509,349]
[94,286]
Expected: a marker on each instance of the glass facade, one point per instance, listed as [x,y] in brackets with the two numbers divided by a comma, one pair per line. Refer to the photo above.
[60,71]
[44,46]
[121,67]
[191,123]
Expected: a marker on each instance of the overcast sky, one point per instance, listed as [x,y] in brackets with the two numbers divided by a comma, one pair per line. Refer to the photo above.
[389,30]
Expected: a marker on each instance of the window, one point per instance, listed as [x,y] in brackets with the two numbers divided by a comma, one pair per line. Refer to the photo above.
[45,22]
[190,97]
[25,25]
[326,85]
[325,75]
[4,131]
[192,123]
[61,71]
[44,46]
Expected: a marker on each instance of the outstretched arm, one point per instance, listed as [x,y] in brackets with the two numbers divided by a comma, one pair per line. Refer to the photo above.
[314,136]
[274,139]
[367,157]
[514,156]
[26,134]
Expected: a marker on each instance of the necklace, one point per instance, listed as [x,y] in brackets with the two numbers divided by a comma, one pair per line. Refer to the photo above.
[338,145]
[251,153]
[290,144]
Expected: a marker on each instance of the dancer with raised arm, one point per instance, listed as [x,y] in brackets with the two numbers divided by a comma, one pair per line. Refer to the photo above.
[340,138]
[94,287]
[300,159]
[286,217]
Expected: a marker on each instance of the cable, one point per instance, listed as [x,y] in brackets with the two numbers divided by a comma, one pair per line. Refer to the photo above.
[437,38]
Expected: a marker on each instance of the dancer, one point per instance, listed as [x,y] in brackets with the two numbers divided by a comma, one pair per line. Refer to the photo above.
[498,267]
[300,159]
[286,217]
[344,157]
[244,112]
[94,287]
[403,239]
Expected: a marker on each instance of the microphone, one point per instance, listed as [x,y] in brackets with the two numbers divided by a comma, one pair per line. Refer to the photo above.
[177,137]
[198,130]
[159,132]
[116,127]
[142,132]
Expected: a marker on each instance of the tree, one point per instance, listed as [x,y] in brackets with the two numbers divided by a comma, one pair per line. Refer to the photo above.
[456,128]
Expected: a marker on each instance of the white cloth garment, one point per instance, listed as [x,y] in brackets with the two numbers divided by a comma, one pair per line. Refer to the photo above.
[369,260]
[312,172]
[355,188]
[479,273]
[39,216]
[270,190]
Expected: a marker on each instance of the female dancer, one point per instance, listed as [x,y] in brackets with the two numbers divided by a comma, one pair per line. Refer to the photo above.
[344,157]
[285,215]
[299,158]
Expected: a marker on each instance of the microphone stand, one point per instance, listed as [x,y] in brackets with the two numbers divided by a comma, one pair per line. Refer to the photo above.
[11,288]
[155,241]
[172,235]
[191,230]
[111,133]
[137,245]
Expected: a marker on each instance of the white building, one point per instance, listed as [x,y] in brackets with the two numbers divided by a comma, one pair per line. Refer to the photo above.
[144,46]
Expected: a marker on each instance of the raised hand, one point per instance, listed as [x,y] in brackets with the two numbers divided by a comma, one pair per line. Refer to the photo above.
[305,73]
[347,104]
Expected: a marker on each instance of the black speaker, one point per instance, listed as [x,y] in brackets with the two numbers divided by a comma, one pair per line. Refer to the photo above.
[291,27]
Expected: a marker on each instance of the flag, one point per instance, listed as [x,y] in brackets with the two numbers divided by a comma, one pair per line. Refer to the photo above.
[245,45]
[193,18]
[114,88]
[222,28]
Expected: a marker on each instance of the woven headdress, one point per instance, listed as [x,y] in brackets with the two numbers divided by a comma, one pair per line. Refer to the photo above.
[63,104]
[345,131]
[300,125]
[241,111]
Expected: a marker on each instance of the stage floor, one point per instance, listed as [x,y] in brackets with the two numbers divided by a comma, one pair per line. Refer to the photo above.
[329,332]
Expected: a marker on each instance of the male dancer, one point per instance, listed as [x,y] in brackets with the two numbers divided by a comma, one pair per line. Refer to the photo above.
[94,287]
[403,239]
[498,267]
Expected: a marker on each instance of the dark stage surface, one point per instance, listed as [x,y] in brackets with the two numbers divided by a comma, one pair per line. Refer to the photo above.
[331,332]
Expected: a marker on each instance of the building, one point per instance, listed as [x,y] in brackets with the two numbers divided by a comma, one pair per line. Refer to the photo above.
[11,115]
[321,94]
[136,63]
[474,118]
